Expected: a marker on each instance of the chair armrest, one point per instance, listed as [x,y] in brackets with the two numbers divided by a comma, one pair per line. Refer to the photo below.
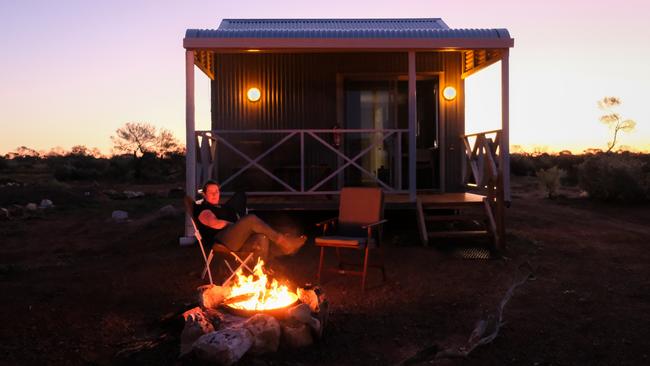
[374,224]
[328,221]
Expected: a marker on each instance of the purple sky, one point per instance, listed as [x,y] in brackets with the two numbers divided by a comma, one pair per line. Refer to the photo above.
[71,72]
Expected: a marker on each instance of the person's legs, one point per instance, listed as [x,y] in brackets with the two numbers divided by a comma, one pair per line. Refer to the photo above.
[235,235]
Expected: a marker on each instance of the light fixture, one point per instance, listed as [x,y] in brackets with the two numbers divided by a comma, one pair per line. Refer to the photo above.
[449,93]
[253,94]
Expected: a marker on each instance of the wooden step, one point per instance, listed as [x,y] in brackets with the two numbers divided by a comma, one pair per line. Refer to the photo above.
[433,218]
[458,234]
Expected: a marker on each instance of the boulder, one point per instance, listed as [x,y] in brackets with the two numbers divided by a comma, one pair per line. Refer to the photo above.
[196,325]
[45,204]
[266,333]
[31,207]
[223,347]
[133,194]
[302,313]
[119,215]
[168,211]
[296,334]
[4,214]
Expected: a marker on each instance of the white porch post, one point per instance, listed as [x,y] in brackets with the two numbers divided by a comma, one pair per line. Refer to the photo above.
[505,122]
[190,148]
[412,126]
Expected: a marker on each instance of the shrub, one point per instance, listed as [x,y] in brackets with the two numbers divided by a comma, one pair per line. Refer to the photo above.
[615,177]
[522,164]
[549,179]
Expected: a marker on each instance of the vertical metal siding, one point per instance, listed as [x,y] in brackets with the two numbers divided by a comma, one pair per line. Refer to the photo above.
[299,91]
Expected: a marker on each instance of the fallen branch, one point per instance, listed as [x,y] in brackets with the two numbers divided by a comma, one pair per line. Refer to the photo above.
[485,331]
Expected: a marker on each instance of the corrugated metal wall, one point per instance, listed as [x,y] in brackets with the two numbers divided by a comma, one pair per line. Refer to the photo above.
[299,91]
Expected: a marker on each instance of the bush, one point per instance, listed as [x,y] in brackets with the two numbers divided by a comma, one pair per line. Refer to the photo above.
[549,179]
[615,177]
[522,165]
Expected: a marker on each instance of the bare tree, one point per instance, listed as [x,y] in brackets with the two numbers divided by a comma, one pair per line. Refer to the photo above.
[614,120]
[135,137]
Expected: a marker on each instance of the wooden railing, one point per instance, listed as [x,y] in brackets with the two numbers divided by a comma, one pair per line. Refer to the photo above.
[484,169]
[209,143]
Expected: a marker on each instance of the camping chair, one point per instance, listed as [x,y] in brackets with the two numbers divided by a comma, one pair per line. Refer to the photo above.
[216,247]
[358,226]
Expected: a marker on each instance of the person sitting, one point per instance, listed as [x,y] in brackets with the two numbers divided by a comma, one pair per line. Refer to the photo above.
[229,224]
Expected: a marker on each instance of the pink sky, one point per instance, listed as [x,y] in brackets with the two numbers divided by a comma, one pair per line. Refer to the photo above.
[72,72]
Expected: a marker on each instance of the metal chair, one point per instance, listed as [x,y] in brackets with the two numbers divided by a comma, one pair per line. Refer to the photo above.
[358,227]
[216,247]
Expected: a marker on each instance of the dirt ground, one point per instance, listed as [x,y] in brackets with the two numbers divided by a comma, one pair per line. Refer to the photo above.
[80,289]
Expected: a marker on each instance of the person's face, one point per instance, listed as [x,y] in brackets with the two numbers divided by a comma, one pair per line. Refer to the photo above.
[212,194]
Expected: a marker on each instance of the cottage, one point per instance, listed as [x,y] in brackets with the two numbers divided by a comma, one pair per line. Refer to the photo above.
[303,107]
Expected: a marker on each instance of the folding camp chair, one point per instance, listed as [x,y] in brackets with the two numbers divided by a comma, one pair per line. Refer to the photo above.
[358,226]
[216,247]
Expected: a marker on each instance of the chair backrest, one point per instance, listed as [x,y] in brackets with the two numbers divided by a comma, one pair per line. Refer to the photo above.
[189,210]
[360,206]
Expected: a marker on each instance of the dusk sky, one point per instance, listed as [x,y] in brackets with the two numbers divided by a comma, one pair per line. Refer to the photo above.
[72,72]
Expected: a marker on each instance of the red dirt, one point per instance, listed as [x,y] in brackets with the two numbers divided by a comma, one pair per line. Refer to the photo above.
[78,288]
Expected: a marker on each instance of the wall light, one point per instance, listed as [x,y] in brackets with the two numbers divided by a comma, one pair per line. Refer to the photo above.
[253,94]
[449,93]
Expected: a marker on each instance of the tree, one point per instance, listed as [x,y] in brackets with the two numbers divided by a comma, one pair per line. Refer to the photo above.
[140,138]
[614,120]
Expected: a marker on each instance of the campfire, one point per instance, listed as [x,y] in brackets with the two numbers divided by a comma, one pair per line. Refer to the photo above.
[255,293]
[252,314]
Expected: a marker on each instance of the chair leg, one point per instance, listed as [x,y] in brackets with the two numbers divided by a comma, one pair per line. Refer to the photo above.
[207,266]
[365,270]
[320,264]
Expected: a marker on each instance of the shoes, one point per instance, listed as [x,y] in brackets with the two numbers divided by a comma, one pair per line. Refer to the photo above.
[290,245]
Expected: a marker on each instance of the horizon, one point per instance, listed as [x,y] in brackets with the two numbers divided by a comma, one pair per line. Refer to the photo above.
[57,80]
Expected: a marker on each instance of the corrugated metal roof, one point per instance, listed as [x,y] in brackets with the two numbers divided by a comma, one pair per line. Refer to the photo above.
[342,28]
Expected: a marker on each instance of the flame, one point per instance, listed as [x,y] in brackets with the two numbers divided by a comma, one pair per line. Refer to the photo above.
[266,295]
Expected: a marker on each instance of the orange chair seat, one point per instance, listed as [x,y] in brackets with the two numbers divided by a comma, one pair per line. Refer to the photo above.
[344,241]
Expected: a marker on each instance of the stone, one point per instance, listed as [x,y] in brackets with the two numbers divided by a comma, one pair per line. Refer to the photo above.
[211,296]
[133,194]
[31,207]
[45,204]
[302,313]
[168,211]
[4,214]
[223,347]
[119,215]
[266,333]
[309,297]
[196,325]
[114,194]
[296,334]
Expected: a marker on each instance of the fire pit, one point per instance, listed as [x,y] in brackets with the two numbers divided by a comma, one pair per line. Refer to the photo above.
[256,315]
[255,294]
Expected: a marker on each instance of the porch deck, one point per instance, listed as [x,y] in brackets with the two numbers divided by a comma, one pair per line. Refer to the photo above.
[331,202]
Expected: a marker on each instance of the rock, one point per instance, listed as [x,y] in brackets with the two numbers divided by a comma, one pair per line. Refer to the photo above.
[296,334]
[266,333]
[196,325]
[133,194]
[211,296]
[302,313]
[4,214]
[45,204]
[119,216]
[16,211]
[168,211]
[223,347]
[309,297]
[31,207]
